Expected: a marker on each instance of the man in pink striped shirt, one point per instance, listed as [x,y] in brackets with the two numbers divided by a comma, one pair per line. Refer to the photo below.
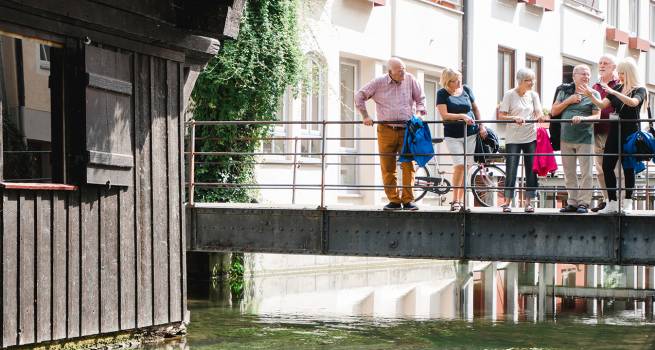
[397,95]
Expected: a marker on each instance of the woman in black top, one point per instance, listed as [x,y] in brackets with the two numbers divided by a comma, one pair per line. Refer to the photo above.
[627,98]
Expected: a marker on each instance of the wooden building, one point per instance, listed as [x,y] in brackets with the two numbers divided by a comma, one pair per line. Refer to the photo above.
[92,97]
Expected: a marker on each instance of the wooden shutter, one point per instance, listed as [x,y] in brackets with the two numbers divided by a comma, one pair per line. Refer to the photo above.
[108,117]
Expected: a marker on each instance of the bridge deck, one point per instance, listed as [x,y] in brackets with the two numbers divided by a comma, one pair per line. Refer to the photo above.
[481,234]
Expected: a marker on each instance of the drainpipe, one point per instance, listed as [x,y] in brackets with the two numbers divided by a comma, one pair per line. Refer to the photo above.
[465,40]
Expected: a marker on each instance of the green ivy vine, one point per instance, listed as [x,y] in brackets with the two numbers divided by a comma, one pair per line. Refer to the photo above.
[245,81]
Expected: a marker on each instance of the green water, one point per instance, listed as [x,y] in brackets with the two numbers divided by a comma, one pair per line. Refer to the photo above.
[219,327]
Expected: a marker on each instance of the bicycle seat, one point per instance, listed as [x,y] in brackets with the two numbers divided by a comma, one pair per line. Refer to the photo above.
[437,140]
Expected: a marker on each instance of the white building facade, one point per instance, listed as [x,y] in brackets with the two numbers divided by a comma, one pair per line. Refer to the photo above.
[347,43]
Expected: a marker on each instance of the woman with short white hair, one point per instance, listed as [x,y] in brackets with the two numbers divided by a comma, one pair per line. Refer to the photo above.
[456,103]
[519,105]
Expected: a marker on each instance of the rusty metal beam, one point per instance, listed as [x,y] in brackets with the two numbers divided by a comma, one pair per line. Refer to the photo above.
[540,237]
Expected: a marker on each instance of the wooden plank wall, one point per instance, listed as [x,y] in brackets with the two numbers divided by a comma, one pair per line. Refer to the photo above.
[97,260]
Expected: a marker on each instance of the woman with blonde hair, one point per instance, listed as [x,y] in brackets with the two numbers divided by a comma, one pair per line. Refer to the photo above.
[627,98]
[456,103]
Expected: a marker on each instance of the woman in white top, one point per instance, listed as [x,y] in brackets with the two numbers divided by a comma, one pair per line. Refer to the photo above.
[519,105]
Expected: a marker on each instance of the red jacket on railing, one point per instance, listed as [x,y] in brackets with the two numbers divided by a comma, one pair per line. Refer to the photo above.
[544,164]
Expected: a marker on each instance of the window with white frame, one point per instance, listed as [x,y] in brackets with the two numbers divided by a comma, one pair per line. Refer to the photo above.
[312,108]
[634,17]
[613,13]
[652,21]
[44,57]
[430,86]
[348,74]
[505,71]
[276,143]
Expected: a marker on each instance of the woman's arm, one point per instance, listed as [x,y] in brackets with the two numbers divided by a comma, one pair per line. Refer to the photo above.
[604,103]
[476,113]
[443,112]
[627,100]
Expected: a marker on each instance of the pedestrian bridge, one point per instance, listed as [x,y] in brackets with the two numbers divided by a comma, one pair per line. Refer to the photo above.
[328,227]
[479,234]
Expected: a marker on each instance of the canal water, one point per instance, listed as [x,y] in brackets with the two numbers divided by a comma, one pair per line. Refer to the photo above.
[386,304]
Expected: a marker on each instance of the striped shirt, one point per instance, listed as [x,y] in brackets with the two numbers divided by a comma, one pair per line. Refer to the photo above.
[393,100]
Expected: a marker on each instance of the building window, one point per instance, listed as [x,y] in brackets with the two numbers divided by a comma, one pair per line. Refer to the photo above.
[613,13]
[634,17]
[652,22]
[534,63]
[505,71]
[591,4]
[279,130]
[29,152]
[44,57]
[312,109]
[430,87]
[348,74]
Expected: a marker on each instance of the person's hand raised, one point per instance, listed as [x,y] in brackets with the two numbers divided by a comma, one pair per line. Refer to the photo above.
[573,99]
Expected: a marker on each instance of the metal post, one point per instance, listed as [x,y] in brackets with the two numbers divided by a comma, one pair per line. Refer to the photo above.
[620,179]
[192,150]
[295,165]
[464,204]
[322,206]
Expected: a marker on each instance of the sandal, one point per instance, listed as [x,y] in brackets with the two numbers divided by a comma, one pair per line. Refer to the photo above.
[529,208]
[506,208]
[455,206]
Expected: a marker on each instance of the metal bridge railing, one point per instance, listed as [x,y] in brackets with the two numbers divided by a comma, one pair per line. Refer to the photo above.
[195,158]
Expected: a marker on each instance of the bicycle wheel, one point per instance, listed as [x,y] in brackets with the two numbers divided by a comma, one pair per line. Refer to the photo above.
[489,185]
[421,182]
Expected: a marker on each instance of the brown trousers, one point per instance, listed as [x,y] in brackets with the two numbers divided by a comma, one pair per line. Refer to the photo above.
[390,140]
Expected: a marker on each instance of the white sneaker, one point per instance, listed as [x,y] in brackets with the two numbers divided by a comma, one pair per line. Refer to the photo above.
[611,207]
[627,206]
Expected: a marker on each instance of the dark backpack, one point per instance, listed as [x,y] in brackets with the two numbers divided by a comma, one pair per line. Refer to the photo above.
[488,145]
[555,128]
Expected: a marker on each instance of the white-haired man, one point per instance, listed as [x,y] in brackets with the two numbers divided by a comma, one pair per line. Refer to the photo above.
[396,95]
[577,138]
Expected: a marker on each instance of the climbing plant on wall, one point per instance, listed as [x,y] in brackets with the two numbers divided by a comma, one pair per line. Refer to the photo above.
[245,81]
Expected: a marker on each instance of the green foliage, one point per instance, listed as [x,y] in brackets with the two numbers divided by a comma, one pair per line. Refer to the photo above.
[235,276]
[245,81]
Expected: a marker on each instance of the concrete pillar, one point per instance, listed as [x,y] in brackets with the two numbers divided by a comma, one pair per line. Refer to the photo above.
[641,277]
[512,291]
[592,280]
[650,273]
[541,296]
[464,289]
[490,290]
[631,276]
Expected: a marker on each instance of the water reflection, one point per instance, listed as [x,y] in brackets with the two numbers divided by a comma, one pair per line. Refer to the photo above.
[328,302]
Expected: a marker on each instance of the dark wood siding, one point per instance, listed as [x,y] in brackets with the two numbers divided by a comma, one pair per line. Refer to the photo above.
[97,260]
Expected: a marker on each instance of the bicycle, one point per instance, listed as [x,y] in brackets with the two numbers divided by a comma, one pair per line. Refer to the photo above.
[488,181]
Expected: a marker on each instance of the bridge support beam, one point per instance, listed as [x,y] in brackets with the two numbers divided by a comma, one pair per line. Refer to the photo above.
[482,236]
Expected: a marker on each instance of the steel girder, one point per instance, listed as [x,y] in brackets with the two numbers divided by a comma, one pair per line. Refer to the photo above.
[540,237]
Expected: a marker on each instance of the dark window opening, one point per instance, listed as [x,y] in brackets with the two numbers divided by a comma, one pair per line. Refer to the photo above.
[567,73]
[506,70]
[534,63]
[26,100]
